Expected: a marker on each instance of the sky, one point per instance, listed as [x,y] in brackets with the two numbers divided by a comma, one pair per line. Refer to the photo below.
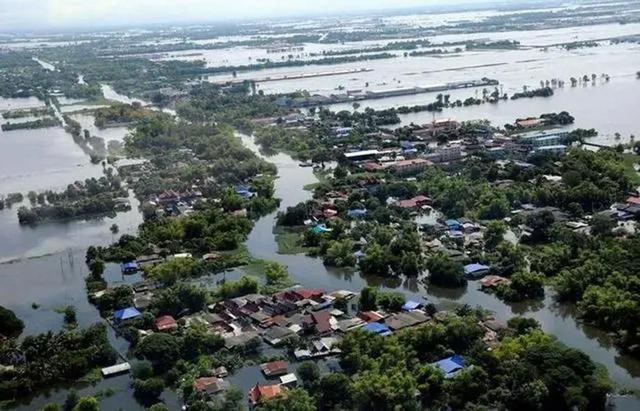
[27,15]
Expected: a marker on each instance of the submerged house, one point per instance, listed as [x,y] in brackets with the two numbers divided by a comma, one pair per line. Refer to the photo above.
[475,270]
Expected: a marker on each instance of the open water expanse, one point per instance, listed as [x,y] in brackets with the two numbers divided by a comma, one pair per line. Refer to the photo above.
[45,265]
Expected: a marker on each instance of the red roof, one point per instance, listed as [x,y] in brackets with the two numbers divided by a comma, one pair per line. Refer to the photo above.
[492,280]
[633,200]
[202,384]
[165,322]
[414,161]
[370,316]
[274,367]
[371,166]
[263,392]
[308,292]
[321,321]
[413,202]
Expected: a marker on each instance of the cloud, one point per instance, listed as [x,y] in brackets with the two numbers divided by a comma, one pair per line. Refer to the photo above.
[23,15]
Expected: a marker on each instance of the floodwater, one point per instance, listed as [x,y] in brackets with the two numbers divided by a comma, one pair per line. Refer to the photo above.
[41,159]
[555,318]
[87,121]
[20,103]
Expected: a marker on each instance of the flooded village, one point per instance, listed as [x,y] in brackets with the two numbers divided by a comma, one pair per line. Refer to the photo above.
[423,209]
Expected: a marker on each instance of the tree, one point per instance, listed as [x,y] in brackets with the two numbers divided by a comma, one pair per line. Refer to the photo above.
[96,267]
[161,349]
[275,273]
[494,234]
[173,270]
[71,401]
[10,324]
[391,301]
[87,404]
[70,315]
[292,400]
[375,260]
[52,406]
[162,407]
[148,391]
[142,370]
[333,392]
[309,373]
[368,299]
[178,298]
[522,325]
[445,272]
[602,224]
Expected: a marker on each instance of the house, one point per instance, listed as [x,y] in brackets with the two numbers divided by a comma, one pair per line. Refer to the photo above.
[410,166]
[320,322]
[126,314]
[307,293]
[274,368]
[377,328]
[325,346]
[165,323]
[289,380]
[321,228]
[450,366]
[475,270]
[411,305]
[357,213]
[117,369]
[453,225]
[493,280]
[244,192]
[220,372]
[407,319]
[415,202]
[261,393]
[210,385]
[370,316]
[276,335]
[129,267]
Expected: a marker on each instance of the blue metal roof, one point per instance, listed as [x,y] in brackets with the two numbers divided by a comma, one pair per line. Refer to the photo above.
[357,212]
[474,268]
[377,328]
[132,265]
[450,365]
[411,305]
[320,228]
[126,313]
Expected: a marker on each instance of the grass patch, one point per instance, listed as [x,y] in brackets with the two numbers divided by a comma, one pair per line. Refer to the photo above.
[322,176]
[255,268]
[630,160]
[289,240]
[92,377]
